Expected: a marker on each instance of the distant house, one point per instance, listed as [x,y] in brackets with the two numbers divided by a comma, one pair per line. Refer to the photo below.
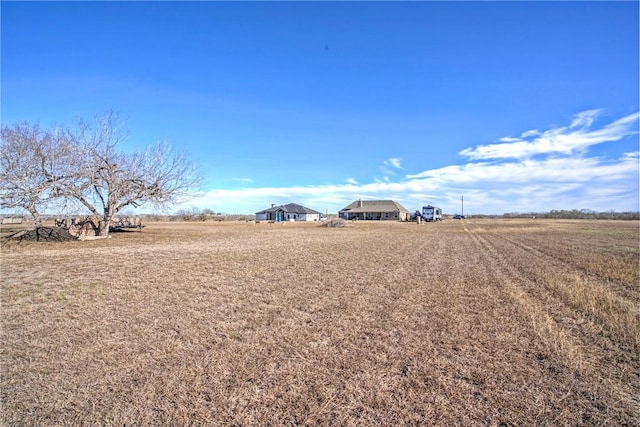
[375,210]
[289,212]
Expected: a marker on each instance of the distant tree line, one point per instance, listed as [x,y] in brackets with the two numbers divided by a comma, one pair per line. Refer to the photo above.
[195,214]
[575,214]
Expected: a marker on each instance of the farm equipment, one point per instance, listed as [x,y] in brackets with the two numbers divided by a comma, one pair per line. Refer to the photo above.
[89,226]
[122,223]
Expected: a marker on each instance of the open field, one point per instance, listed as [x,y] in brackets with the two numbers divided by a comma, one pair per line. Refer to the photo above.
[474,322]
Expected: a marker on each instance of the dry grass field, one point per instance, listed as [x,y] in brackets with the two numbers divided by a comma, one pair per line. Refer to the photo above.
[474,322]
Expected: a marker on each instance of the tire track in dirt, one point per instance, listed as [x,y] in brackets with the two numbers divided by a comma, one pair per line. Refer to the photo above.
[546,327]
[625,290]
[558,326]
[581,291]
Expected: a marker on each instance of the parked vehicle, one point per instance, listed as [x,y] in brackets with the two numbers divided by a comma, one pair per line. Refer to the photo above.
[430,213]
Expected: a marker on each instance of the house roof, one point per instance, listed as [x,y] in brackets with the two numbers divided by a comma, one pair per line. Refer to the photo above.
[362,206]
[290,208]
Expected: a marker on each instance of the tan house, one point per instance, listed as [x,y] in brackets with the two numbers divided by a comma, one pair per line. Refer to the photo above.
[375,210]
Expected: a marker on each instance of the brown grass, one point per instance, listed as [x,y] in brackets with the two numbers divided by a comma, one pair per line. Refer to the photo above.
[523,322]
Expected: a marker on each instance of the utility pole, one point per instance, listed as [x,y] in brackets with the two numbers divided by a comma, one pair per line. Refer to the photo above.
[462,203]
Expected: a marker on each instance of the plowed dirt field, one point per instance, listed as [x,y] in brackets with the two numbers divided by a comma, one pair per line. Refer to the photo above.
[473,322]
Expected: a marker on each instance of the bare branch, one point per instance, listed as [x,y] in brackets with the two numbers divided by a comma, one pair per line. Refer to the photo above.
[32,164]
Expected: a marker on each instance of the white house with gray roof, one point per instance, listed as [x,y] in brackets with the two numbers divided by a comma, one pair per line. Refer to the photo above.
[289,212]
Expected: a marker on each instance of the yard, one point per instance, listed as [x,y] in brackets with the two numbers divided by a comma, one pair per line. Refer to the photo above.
[473,322]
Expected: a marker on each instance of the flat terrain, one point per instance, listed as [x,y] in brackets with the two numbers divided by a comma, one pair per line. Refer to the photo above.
[473,322]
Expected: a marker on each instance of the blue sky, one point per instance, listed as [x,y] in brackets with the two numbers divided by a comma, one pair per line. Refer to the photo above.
[518,106]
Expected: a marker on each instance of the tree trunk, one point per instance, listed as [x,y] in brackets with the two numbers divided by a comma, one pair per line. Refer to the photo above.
[103,228]
[105,222]
[37,219]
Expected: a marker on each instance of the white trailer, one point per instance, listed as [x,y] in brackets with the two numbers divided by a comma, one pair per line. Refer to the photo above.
[431,213]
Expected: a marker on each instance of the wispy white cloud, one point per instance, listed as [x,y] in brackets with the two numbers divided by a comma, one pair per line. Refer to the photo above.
[507,139]
[498,178]
[394,162]
[527,134]
[391,167]
[585,119]
[549,170]
[559,183]
[561,140]
[243,180]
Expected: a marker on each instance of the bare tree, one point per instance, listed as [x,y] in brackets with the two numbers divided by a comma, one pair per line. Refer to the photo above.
[83,165]
[107,180]
[33,163]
